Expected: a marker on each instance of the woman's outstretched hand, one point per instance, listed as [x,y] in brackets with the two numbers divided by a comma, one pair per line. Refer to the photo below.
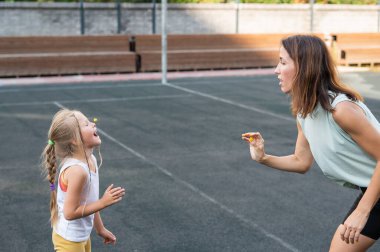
[256,145]
[112,195]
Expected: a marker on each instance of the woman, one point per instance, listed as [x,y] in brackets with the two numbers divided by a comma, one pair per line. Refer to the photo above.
[335,129]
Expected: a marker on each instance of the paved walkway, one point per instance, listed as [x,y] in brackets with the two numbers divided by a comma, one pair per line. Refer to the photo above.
[362,79]
[132,76]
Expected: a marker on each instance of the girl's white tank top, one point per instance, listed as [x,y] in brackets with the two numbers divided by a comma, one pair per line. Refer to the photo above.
[80,229]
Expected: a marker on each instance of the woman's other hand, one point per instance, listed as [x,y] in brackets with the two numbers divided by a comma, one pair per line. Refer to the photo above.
[256,145]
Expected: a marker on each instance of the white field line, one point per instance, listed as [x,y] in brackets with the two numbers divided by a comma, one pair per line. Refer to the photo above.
[236,104]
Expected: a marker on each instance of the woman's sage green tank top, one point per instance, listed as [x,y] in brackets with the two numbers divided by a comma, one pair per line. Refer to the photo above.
[335,152]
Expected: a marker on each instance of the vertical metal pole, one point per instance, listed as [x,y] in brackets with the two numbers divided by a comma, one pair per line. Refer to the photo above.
[311,15]
[237,16]
[81,13]
[378,16]
[163,41]
[154,17]
[118,11]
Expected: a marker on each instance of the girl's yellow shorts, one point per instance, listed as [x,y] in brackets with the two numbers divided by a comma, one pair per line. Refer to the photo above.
[62,245]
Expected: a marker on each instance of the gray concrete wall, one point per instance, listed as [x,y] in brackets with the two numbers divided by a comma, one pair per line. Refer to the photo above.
[19,19]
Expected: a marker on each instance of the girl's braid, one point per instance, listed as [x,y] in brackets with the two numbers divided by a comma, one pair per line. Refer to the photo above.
[50,166]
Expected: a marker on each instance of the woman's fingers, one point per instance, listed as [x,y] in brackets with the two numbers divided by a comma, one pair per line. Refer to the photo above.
[356,237]
[342,231]
[252,137]
[347,235]
[251,134]
[350,235]
[245,139]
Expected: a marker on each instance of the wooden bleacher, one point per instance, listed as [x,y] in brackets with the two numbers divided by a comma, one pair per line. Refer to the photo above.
[59,55]
[357,49]
[215,51]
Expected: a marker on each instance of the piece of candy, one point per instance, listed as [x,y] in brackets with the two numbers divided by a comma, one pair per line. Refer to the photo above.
[251,138]
[95,119]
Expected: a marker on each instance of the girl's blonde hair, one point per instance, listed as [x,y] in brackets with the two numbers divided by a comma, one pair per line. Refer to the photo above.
[316,75]
[64,140]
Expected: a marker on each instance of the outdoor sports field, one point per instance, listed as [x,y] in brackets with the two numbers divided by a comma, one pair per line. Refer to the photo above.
[177,149]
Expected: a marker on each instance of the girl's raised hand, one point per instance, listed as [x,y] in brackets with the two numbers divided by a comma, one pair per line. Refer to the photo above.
[112,195]
[256,145]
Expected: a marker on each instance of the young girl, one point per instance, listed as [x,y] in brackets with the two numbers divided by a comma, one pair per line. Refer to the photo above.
[336,129]
[75,203]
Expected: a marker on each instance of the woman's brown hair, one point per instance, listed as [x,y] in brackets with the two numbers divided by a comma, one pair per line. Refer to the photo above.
[316,75]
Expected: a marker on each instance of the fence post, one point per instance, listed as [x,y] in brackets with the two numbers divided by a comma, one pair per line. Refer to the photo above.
[154,17]
[118,11]
[81,13]
[164,62]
